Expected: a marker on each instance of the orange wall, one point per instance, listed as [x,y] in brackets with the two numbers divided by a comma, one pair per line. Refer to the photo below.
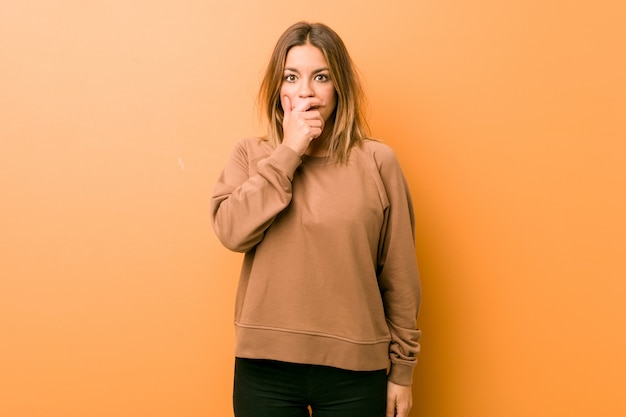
[116,117]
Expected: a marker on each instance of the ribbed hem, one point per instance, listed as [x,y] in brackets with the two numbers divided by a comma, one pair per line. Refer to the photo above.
[401,374]
[286,159]
[286,346]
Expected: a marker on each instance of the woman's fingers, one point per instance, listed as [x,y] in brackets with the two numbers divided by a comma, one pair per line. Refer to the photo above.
[301,123]
[286,103]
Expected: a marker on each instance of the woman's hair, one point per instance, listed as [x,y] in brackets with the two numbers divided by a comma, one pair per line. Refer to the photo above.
[350,127]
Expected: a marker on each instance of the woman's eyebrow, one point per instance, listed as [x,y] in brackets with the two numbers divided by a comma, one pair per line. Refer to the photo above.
[314,72]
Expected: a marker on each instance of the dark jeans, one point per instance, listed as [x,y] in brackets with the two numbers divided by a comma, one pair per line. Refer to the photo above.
[266,388]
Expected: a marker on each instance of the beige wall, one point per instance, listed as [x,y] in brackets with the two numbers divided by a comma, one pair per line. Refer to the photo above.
[116,117]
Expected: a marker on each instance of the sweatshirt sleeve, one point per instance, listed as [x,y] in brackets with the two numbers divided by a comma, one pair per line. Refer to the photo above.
[398,274]
[250,193]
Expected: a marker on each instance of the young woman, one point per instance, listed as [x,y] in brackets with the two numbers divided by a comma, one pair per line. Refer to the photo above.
[329,289]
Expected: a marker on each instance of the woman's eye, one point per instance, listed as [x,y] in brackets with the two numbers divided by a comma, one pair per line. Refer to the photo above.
[290,78]
[321,77]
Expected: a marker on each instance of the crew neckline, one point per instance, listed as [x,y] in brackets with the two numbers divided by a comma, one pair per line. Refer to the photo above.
[316,160]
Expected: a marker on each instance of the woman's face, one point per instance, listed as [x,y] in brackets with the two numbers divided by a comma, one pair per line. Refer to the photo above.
[306,81]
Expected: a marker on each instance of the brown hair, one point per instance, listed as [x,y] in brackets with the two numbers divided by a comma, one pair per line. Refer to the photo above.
[350,127]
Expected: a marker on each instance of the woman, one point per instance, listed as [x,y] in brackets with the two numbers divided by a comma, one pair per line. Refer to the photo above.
[329,290]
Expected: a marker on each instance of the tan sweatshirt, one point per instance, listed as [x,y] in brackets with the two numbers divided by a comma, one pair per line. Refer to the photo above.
[329,275]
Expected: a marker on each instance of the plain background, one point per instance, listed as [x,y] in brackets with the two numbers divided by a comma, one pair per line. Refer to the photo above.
[509,118]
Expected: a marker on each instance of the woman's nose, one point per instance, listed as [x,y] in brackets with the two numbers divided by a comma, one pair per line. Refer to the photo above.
[305,89]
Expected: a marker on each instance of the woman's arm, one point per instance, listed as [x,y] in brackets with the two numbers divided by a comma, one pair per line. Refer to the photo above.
[251,190]
[398,275]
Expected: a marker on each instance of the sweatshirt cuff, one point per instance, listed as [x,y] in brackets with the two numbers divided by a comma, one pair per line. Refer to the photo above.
[401,374]
[286,159]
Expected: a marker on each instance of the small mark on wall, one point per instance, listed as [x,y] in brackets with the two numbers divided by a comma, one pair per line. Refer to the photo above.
[181,165]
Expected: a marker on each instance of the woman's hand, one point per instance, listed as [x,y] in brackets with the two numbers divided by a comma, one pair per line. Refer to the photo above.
[399,400]
[302,123]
